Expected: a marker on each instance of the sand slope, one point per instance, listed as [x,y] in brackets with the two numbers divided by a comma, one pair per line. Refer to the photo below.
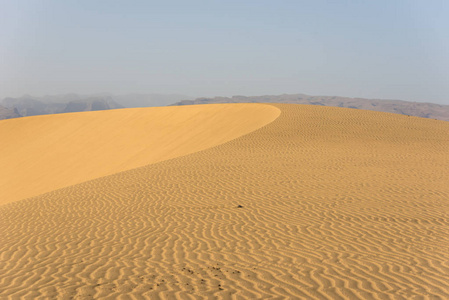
[336,204]
[43,153]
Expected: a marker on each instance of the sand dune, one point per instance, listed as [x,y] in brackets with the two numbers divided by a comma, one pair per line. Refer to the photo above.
[321,203]
[43,153]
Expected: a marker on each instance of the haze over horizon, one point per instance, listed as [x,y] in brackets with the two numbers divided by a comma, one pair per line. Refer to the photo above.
[209,48]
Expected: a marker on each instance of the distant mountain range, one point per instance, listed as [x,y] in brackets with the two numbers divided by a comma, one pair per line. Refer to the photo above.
[425,110]
[31,106]
[8,113]
[148,100]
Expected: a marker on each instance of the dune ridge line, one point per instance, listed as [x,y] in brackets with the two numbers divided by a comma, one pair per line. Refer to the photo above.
[44,153]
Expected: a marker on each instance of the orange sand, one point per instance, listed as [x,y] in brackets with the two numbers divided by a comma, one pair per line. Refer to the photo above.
[44,153]
[336,204]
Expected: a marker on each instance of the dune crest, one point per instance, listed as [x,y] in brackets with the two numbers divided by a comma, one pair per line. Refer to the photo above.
[43,153]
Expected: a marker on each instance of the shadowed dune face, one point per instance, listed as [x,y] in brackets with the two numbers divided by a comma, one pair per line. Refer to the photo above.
[322,203]
[44,153]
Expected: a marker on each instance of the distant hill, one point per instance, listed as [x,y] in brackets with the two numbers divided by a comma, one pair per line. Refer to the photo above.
[425,110]
[8,113]
[147,100]
[32,106]
[91,104]
[28,106]
[55,104]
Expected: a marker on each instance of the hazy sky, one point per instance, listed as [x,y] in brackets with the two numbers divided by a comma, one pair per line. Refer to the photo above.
[374,49]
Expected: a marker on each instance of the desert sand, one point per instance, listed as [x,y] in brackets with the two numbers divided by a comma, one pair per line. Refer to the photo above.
[307,202]
[44,153]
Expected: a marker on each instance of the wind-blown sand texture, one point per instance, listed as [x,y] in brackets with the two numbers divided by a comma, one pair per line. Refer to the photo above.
[335,204]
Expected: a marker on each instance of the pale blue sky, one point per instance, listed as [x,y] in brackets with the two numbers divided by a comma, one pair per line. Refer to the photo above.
[373,49]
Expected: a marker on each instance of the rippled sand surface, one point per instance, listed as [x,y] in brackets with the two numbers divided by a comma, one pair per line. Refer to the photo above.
[312,203]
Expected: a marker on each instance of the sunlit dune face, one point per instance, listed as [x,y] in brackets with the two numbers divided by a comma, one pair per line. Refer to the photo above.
[43,153]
